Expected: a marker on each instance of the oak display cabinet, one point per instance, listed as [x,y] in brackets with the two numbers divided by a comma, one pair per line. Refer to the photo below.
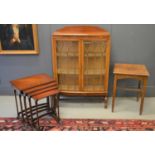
[80,58]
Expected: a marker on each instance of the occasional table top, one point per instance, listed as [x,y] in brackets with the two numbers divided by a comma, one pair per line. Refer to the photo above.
[37,86]
[30,81]
[131,69]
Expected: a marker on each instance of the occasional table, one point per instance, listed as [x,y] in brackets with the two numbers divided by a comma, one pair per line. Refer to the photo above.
[29,92]
[131,71]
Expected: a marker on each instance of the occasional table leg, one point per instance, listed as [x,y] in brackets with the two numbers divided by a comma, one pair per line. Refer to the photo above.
[48,104]
[106,102]
[139,93]
[21,106]
[55,107]
[55,103]
[143,95]
[30,107]
[25,107]
[58,107]
[114,93]
[37,116]
[15,93]
[52,102]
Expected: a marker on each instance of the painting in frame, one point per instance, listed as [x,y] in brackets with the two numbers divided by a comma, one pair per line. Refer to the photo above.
[19,39]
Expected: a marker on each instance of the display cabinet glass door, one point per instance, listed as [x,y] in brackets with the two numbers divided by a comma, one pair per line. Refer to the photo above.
[94,65]
[68,65]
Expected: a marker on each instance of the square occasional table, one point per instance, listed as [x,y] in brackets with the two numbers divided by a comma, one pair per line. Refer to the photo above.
[131,71]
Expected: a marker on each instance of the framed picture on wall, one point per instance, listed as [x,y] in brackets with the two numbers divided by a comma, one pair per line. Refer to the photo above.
[18,39]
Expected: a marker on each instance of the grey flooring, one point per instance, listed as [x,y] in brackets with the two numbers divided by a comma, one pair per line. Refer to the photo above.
[91,108]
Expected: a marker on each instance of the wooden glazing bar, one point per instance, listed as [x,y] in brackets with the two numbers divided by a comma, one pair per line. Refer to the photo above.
[68,72]
[94,69]
[64,54]
[81,62]
[67,69]
[86,66]
[101,75]
[74,75]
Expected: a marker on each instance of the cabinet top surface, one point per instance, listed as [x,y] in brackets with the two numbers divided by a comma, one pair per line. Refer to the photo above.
[81,31]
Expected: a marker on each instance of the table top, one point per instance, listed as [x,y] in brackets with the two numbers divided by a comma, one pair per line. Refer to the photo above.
[30,81]
[36,86]
[131,69]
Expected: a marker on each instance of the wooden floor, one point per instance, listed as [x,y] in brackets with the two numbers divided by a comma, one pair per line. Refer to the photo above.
[126,108]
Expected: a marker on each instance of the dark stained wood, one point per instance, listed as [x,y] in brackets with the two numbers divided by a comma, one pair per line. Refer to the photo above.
[48,93]
[43,86]
[35,87]
[31,81]
[44,90]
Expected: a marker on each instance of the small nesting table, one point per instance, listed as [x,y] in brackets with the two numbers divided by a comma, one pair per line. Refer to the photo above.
[131,71]
[29,91]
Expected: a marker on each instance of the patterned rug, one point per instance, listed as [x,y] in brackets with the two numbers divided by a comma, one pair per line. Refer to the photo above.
[13,124]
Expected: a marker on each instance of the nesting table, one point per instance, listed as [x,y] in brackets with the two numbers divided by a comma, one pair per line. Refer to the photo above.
[29,91]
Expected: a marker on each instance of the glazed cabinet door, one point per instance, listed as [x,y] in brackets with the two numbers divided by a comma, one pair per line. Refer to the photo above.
[67,62]
[94,65]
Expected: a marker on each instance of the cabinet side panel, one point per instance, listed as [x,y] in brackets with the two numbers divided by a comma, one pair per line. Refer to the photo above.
[54,59]
[107,65]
